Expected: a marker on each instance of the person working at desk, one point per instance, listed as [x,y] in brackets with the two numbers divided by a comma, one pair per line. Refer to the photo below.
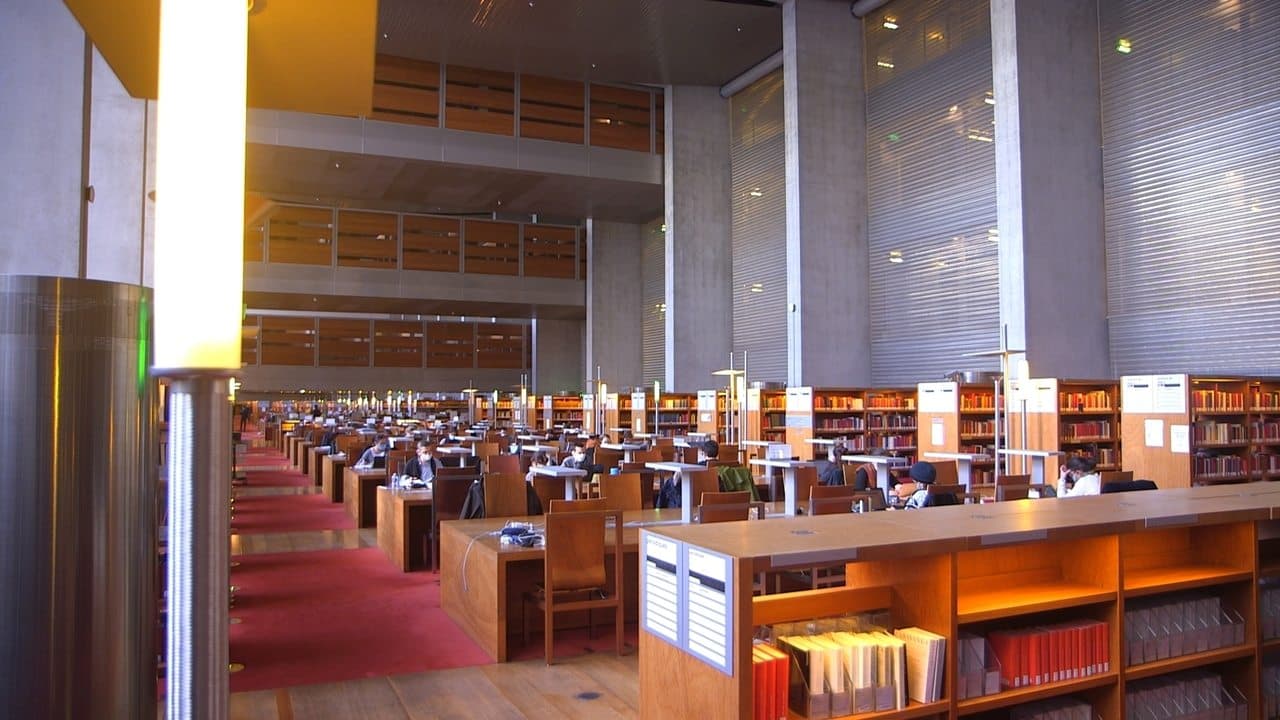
[375,455]
[423,465]
[833,473]
[577,458]
[708,450]
[540,459]
[923,474]
[1079,477]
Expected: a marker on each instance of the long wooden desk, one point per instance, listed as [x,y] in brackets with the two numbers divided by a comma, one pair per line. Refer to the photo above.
[359,494]
[331,476]
[404,522]
[315,463]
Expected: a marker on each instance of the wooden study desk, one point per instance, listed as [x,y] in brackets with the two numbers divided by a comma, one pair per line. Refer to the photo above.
[404,523]
[964,464]
[331,481]
[304,456]
[359,494]
[315,464]
[572,477]
[681,472]
[789,467]
[1037,460]
[453,454]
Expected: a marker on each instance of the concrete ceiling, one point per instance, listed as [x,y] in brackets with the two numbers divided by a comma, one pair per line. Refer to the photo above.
[289,174]
[659,42]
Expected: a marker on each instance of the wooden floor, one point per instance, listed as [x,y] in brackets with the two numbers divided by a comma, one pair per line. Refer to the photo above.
[588,686]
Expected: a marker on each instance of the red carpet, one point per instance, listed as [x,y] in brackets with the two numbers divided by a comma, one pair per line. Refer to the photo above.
[289,513]
[313,617]
[276,478]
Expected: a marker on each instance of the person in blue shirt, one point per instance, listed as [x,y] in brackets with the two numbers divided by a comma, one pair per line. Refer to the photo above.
[377,450]
[423,465]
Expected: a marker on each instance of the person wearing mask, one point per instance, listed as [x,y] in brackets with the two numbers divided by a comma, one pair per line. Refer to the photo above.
[833,473]
[423,465]
[370,457]
[1079,477]
[540,459]
[577,458]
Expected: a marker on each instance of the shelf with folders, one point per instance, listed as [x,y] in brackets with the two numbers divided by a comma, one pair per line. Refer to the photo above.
[1074,417]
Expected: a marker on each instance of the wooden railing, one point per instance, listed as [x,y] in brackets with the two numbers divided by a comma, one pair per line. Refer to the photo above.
[490,101]
[297,234]
[359,342]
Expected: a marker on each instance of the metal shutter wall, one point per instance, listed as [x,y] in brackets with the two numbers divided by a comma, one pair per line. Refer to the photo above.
[1191,173]
[758,177]
[931,181]
[653,293]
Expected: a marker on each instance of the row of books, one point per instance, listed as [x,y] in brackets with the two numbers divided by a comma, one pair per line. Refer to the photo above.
[1051,653]
[837,402]
[1265,430]
[1096,429]
[977,427]
[1217,400]
[891,403]
[770,680]
[1055,709]
[1080,401]
[841,673]
[896,442]
[1190,694]
[977,401]
[878,421]
[1209,465]
[849,423]
[1175,625]
[1210,431]
[1266,400]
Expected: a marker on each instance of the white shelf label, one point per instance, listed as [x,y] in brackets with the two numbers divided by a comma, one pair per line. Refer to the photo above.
[709,610]
[937,397]
[1171,394]
[662,588]
[1137,393]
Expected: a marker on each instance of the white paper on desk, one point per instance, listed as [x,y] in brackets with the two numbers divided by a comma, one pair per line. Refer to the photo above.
[1180,438]
[937,432]
[1154,430]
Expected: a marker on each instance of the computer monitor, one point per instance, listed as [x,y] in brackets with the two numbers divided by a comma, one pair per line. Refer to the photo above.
[379,462]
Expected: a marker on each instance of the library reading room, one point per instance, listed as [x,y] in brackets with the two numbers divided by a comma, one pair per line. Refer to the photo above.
[657,359]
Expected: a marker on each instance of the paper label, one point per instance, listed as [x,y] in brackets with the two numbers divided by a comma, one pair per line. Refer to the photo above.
[1170,394]
[937,432]
[708,610]
[1153,431]
[662,588]
[1137,393]
[1180,438]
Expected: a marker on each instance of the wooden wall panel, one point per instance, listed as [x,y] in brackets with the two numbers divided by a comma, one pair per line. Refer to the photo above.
[249,336]
[551,109]
[432,243]
[406,90]
[582,253]
[493,248]
[366,239]
[288,341]
[397,343]
[300,235]
[500,345]
[450,345]
[343,342]
[550,251]
[620,118]
[255,239]
[479,100]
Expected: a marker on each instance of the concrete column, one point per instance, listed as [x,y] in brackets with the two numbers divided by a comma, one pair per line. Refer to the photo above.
[1053,292]
[614,303]
[828,296]
[118,160]
[557,356]
[699,317]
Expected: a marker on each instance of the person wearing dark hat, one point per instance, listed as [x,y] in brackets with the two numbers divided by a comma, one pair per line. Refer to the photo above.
[833,472]
[708,450]
[922,474]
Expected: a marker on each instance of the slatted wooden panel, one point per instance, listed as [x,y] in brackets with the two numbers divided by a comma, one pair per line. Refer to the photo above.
[493,248]
[620,118]
[249,336]
[397,343]
[288,341]
[660,122]
[406,90]
[450,345]
[432,243]
[344,343]
[366,239]
[550,251]
[551,109]
[255,238]
[479,100]
[500,345]
[300,235]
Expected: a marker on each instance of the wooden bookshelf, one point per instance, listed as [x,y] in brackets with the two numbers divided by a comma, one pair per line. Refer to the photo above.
[1069,416]
[566,410]
[1009,567]
[710,413]
[956,418]
[890,421]
[677,414]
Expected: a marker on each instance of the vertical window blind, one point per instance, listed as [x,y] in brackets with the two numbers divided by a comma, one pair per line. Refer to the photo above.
[653,294]
[759,230]
[1191,181]
[931,182]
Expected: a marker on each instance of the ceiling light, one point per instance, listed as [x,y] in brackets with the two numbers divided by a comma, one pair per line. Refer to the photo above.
[939,263]
[593,66]
[895,256]
[757,288]
[889,24]
[884,64]
[989,99]
[1124,46]
[980,137]
[739,28]
[953,109]
[935,35]
[386,36]
[755,192]
[337,165]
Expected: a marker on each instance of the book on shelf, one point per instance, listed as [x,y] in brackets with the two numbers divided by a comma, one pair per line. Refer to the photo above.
[1081,401]
[926,654]
[770,677]
[1051,653]
[977,667]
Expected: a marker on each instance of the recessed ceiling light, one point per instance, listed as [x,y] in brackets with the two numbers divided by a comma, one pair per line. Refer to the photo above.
[889,24]
[593,66]
[337,165]
[386,36]
[739,28]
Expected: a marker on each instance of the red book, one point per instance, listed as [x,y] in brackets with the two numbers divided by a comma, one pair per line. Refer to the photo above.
[1003,645]
[1104,646]
[1033,655]
[761,676]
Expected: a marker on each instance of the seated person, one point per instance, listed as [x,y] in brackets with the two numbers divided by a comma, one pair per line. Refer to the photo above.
[540,459]
[1079,477]
[922,476]
[833,473]
[708,450]
[577,458]
[375,455]
[423,465]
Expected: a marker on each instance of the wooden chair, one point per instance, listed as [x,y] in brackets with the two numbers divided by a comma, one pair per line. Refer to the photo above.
[505,464]
[727,507]
[851,475]
[831,499]
[1007,491]
[448,494]
[648,481]
[624,491]
[950,494]
[705,482]
[505,496]
[806,478]
[729,453]
[1110,476]
[575,575]
[548,489]
[667,452]
[469,473]
[484,449]
[646,456]
[947,473]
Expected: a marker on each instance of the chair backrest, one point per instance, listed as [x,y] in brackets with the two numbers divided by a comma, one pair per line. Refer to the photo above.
[575,558]
[505,464]
[349,445]
[668,452]
[947,473]
[448,495]
[944,495]
[664,442]
[1006,491]
[1110,476]
[831,499]
[1128,486]
[736,477]
[704,482]
[397,458]
[469,473]
[484,449]
[729,453]
[727,507]
[646,456]
[624,491]
[736,497]
[505,496]
[806,478]
[548,489]
[562,505]
[607,458]
[874,498]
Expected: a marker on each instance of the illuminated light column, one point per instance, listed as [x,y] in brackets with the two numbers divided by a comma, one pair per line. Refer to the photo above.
[200,143]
